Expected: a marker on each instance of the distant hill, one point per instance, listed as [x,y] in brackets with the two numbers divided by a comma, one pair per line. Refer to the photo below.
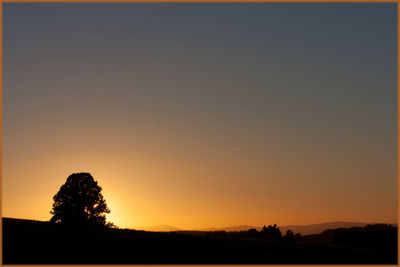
[307,229]
[160,228]
[303,229]
[230,228]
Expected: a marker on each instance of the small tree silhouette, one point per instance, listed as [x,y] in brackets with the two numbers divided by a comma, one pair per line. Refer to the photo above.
[80,201]
[289,236]
[252,232]
[271,232]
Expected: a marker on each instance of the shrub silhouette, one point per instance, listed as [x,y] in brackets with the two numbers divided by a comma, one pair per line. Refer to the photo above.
[252,232]
[271,232]
[80,201]
[290,236]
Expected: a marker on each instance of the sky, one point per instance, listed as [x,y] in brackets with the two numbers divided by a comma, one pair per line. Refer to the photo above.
[203,115]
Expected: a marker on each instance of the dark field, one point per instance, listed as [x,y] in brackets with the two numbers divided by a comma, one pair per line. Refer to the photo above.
[33,242]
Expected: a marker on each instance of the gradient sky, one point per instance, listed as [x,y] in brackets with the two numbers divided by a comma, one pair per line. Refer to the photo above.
[203,115]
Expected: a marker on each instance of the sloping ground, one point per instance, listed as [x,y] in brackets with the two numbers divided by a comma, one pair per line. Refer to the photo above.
[32,242]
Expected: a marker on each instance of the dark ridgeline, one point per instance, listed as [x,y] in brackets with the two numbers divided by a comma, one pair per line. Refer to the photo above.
[79,234]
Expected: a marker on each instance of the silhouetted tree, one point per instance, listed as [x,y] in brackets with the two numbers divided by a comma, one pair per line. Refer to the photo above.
[111,225]
[271,232]
[297,237]
[290,236]
[80,201]
[252,232]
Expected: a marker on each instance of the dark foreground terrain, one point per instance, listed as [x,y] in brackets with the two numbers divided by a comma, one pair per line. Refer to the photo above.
[33,242]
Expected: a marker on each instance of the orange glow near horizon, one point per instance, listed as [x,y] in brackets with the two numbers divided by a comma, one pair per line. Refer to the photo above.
[206,115]
[141,196]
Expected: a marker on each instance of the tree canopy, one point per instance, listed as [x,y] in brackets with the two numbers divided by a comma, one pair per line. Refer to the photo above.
[271,232]
[80,201]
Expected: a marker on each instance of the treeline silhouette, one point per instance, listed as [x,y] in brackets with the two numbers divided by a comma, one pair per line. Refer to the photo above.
[272,232]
